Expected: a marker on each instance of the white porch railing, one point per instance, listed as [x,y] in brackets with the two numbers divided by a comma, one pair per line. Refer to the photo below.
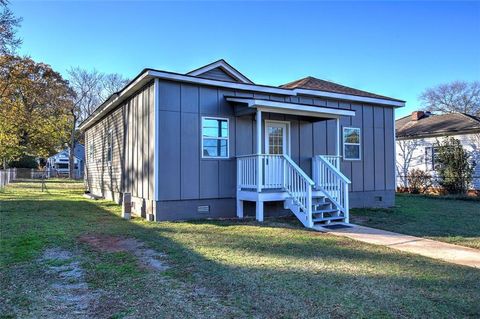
[333,159]
[299,186]
[332,182]
[277,172]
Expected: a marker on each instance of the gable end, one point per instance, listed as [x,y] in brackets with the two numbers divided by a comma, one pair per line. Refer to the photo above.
[218,74]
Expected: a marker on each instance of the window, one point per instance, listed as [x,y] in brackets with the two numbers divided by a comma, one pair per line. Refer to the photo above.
[109,147]
[91,152]
[214,137]
[431,156]
[351,143]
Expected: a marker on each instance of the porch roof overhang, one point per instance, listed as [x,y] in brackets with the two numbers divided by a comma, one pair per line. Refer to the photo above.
[291,108]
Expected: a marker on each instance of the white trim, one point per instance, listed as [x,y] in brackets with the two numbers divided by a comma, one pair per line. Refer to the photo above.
[156,150]
[218,138]
[225,67]
[287,135]
[109,147]
[359,143]
[293,108]
[91,152]
[269,89]
[349,97]
[337,150]
[259,152]
[149,74]
[394,150]
[224,84]
[142,79]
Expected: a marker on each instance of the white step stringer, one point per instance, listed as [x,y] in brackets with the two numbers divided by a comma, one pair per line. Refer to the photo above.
[317,201]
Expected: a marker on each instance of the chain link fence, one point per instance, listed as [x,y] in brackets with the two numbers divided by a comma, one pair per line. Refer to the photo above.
[30,175]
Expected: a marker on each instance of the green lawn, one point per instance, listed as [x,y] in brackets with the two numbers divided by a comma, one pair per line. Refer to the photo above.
[449,220]
[223,269]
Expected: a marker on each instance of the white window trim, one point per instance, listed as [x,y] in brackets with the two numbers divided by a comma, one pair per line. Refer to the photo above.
[91,152]
[430,163]
[287,134]
[110,141]
[218,138]
[359,143]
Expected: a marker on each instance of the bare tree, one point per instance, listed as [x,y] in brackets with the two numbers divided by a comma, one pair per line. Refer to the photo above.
[406,150]
[91,89]
[112,83]
[9,42]
[458,96]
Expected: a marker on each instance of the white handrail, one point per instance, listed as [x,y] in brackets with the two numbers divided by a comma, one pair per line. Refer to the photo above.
[333,159]
[335,170]
[299,186]
[332,182]
[277,172]
[299,170]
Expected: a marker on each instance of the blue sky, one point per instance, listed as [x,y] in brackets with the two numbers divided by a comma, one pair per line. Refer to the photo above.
[391,48]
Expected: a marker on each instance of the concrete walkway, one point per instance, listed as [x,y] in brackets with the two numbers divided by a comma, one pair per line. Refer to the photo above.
[430,248]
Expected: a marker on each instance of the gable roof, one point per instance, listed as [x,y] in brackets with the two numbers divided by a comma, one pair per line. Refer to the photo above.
[224,67]
[317,84]
[147,75]
[78,151]
[437,125]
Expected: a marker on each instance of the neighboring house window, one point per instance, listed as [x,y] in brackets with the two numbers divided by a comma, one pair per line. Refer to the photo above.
[214,137]
[109,147]
[91,152]
[431,158]
[351,143]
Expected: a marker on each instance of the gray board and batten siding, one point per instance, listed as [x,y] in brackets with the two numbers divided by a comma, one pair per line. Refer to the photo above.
[187,181]
[132,168]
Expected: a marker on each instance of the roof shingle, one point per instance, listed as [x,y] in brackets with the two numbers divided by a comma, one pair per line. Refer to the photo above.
[317,84]
[435,125]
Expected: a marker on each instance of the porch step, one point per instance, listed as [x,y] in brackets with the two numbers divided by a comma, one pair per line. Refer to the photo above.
[321,206]
[323,211]
[326,219]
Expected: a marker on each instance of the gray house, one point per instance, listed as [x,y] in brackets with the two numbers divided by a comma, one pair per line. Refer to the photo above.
[211,143]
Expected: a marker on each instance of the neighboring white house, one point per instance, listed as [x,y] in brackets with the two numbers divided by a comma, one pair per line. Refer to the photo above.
[58,164]
[416,137]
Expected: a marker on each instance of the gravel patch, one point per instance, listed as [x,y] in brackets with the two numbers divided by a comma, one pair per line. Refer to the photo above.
[68,295]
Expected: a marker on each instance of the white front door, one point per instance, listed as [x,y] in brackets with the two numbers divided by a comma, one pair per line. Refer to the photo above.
[276,138]
[276,143]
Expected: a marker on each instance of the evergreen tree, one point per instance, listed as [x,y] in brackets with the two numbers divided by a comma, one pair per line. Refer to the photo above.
[453,166]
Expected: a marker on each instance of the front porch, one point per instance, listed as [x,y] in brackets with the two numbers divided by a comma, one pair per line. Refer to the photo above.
[272,175]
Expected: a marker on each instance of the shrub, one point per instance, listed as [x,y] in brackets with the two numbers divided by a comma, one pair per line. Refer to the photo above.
[418,181]
[26,161]
[454,169]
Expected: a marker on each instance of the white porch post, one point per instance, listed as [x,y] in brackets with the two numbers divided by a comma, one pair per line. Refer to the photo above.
[259,151]
[339,137]
[239,208]
[259,211]
[259,204]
